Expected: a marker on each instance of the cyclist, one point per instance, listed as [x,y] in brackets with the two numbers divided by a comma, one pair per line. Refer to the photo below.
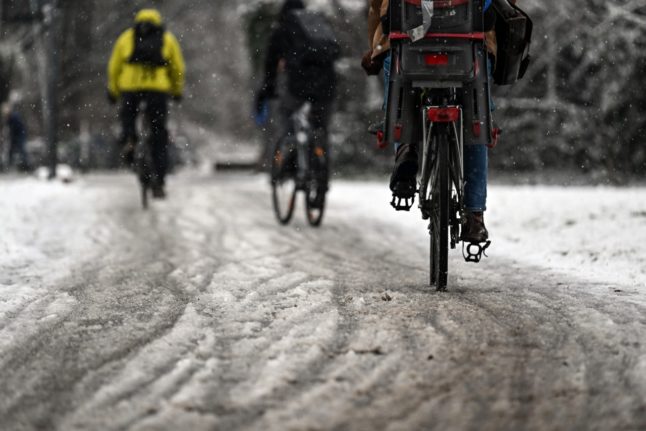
[17,138]
[404,176]
[146,66]
[309,79]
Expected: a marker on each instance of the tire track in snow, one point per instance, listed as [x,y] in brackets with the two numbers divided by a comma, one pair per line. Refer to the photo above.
[268,327]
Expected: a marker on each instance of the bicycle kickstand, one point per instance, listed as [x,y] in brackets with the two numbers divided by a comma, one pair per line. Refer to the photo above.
[473,252]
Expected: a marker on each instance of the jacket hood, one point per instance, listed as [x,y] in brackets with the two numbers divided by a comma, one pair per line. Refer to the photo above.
[151,16]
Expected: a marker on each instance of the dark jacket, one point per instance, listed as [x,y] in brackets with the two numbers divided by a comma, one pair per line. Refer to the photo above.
[304,81]
[17,129]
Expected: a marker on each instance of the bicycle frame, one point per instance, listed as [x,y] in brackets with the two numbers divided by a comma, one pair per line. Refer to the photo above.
[447,120]
[144,165]
[302,135]
[442,76]
[456,126]
[306,175]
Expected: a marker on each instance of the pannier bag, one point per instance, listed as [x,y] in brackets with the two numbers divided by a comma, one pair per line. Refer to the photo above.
[313,39]
[514,35]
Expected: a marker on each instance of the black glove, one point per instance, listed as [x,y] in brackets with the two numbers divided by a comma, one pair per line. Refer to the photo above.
[112,99]
[370,65]
[177,98]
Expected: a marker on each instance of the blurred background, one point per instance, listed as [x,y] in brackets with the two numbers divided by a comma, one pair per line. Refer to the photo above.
[580,109]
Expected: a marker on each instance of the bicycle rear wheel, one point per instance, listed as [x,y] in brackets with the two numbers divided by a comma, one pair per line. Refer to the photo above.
[283,183]
[440,213]
[144,170]
[316,189]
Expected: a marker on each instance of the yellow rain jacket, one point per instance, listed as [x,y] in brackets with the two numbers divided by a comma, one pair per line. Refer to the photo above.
[126,77]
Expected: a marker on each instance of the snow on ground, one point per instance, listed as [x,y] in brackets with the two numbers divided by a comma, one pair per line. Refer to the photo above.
[590,232]
[204,313]
[45,229]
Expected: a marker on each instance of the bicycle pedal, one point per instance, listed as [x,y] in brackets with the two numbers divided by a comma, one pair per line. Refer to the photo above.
[402,203]
[473,252]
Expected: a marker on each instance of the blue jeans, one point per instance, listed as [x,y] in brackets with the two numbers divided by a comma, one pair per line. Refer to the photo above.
[386,80]
[475,159]
[475,176]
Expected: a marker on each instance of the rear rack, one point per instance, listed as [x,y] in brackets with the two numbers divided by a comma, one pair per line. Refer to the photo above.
[465,36]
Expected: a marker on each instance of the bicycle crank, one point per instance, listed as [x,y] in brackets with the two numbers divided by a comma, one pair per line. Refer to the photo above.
[473,252]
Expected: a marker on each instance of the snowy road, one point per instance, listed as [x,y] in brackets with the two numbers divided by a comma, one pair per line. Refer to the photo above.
[204,314]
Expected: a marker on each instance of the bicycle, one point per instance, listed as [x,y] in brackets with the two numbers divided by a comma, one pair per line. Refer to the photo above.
[299,165]
[143,163]
[439,81]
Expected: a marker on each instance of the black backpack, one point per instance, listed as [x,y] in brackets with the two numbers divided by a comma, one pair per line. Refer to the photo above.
[312,40]
[149,44]
[514,36]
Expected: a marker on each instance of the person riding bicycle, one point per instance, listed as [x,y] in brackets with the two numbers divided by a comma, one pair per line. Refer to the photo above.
[310,73]
[404,176]
[146,66]
[17,138]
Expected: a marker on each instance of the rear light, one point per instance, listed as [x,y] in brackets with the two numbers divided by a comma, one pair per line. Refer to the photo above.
[398,133]
[444,115]
[436,59]
[381,140]
[477,129]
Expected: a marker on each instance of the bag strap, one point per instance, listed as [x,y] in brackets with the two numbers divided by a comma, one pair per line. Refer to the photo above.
[529,28]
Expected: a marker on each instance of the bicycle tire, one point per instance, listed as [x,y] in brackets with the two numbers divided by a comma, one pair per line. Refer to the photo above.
[314,204]
[144,170]
[439,231]
[316,191]
[144,196]
[283,184]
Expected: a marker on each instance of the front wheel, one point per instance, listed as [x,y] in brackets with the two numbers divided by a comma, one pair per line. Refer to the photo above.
[283,183]
[314,203]
[144,169]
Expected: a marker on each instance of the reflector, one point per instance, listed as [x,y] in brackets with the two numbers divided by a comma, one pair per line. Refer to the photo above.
[436,59]
[450,114]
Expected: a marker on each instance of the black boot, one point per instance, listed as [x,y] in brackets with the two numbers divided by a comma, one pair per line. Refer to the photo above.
[474,230]
[403,181]
[158,189]
[159,192]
